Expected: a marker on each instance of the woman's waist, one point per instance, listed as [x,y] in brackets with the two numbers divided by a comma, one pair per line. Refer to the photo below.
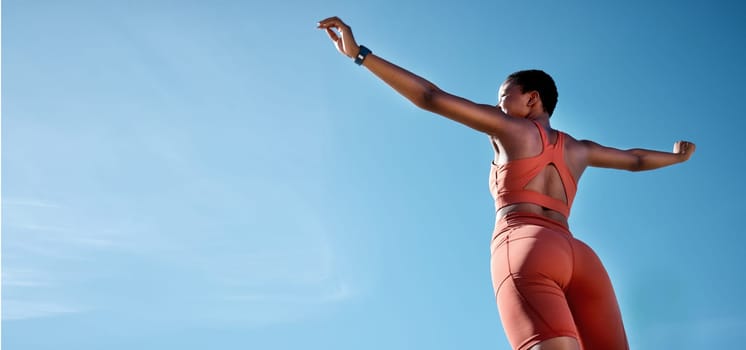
[529,214]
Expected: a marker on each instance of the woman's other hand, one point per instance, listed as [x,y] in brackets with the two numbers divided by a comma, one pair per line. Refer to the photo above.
[684,148]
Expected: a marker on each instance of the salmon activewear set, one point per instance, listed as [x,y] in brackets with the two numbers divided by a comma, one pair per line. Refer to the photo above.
[547,283]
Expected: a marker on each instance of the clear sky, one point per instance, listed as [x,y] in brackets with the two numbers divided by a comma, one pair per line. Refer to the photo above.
[213,174]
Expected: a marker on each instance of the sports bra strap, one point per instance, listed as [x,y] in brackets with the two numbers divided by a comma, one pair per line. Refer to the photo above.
[544,137]
[509,180]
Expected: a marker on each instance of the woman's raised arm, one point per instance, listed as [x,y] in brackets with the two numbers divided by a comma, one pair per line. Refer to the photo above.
[422,93]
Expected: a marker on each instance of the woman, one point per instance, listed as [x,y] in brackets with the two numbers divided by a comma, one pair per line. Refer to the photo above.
[551,289]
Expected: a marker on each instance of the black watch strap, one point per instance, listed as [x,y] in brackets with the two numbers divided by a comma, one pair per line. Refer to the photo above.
[364,52]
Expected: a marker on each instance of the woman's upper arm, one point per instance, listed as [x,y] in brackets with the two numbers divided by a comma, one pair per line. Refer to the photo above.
[485,118]
[609,157]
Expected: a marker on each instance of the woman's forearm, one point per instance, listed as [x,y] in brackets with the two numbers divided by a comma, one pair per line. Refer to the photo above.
[649,160]
[413,87]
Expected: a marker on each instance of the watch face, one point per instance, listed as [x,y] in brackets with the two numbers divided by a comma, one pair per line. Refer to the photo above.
[364,51]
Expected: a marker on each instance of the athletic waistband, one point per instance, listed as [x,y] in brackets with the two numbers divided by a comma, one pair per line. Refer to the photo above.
[517,219]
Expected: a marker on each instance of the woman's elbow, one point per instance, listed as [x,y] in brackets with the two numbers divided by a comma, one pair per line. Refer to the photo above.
[636,165]
[636,162]
[426,100]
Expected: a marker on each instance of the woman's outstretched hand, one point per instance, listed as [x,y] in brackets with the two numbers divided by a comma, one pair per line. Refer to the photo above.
[341,35]
[684,148]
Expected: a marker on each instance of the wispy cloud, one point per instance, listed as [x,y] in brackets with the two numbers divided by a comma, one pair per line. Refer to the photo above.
[30,293]
[96,238]
[44,245]
[28,202]
[20,310]
[184,236]
[41,223]
[273,265]
[23,277]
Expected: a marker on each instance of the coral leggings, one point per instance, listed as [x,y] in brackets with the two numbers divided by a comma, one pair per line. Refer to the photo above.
[549,284]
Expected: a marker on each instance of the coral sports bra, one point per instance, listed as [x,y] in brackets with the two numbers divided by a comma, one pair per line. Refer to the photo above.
[508,181]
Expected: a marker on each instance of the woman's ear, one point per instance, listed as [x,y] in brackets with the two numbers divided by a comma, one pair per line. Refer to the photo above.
[533,98]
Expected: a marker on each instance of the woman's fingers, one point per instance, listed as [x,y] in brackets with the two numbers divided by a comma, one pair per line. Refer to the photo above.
[689,147]
[332,35]
[684,148]
[331,22]
[678,147]
[335,23]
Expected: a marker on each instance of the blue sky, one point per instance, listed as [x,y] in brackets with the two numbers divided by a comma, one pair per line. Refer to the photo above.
[214,174]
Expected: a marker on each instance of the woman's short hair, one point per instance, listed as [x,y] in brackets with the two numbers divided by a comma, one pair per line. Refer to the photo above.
[539,81]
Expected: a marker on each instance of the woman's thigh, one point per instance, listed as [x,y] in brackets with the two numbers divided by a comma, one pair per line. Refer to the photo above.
[531,265]
[593,302]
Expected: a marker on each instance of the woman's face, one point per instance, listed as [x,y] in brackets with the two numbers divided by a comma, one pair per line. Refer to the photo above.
[512,101]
